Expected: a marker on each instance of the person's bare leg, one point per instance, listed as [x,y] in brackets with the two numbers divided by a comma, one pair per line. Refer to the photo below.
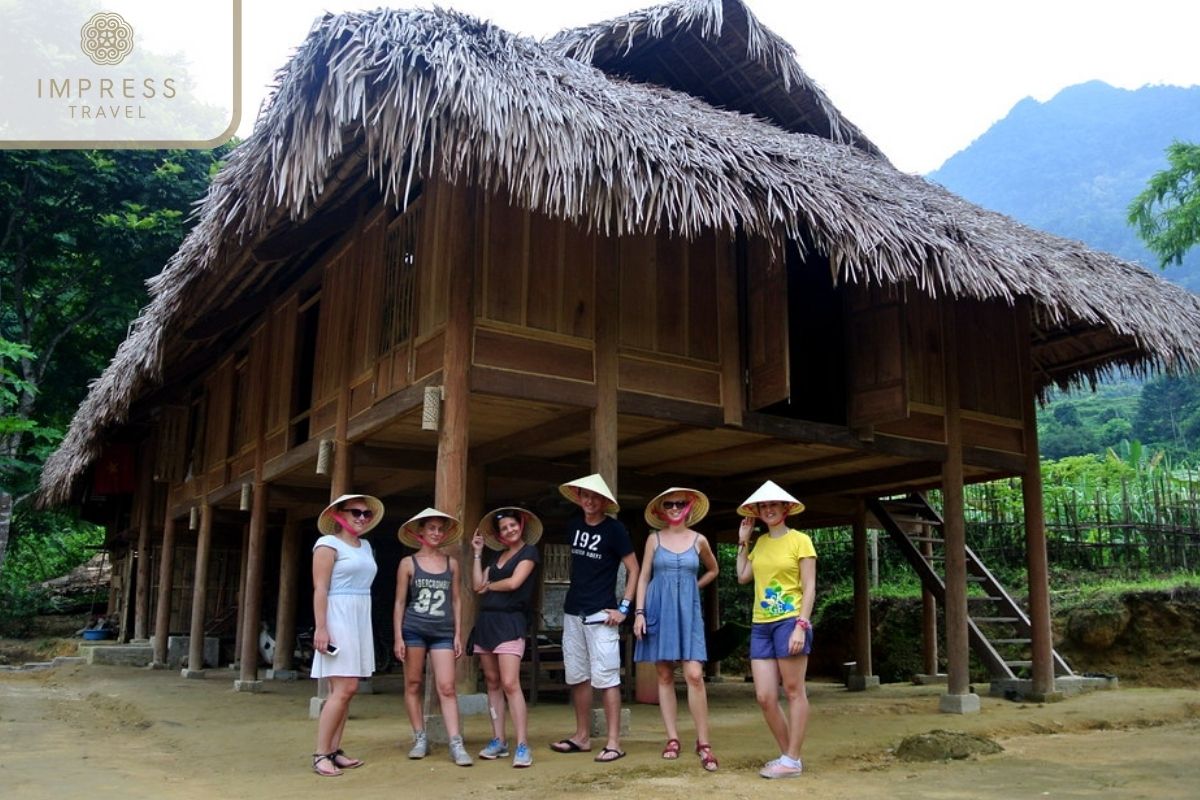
[612,715]
[443,675]
[333,720]
[414,686]
[793,671]
[693,673]
[766,692]
[510,682]
[490,664]
[667,704]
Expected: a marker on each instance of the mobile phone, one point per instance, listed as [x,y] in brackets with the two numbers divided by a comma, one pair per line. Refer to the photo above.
[331,649]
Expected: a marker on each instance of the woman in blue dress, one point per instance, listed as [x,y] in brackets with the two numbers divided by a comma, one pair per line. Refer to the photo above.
[668,623]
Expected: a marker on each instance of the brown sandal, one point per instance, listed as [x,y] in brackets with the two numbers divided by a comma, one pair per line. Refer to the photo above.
[343,761]
[318,758]
[671,751]
[707,759]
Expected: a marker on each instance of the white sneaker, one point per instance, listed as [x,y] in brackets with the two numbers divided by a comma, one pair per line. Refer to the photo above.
[494,749]
[523,758]
[458,752]
[420,747]
[777,769]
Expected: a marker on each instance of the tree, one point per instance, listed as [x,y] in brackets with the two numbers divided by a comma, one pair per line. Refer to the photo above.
[80,232]
[1167,213]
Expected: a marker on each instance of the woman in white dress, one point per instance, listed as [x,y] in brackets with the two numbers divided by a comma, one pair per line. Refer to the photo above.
[343,569]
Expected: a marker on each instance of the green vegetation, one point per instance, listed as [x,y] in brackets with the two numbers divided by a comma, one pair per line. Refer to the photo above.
[1167,214]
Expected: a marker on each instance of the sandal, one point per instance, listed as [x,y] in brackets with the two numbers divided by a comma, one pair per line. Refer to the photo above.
[318,758]
[707,759]
[671,751]
[343,761]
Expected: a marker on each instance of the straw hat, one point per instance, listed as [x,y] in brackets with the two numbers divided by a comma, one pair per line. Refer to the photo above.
[697,512]
[488,526]
[408,531]
[327,525]
[593,483]
[769,492]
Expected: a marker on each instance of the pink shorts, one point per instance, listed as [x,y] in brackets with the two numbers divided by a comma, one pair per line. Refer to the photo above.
[513,647]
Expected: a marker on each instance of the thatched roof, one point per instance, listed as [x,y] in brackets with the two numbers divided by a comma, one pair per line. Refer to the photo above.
[400,95]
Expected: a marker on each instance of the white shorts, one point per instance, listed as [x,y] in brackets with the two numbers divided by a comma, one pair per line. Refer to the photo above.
[591,652]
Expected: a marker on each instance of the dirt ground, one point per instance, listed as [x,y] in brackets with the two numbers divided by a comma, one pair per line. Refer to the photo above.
[113,732]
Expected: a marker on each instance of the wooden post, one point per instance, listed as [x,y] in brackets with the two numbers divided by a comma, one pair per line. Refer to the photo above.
[166,575]
[243,568]
[929,630]
[195,665]
[467,673]
[451,484]
[285,612]
[712,621]
[958,697]
[252,589]
[733,386]
[141,605]
[604,416]
[863,677]
[1035,523]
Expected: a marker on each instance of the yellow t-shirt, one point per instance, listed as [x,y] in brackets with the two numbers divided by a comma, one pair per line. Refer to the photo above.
[776,563]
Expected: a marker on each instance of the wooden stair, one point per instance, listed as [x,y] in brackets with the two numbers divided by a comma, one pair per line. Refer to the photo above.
[998,628]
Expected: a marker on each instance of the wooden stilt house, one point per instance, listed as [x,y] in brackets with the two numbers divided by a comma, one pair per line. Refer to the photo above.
[457,265]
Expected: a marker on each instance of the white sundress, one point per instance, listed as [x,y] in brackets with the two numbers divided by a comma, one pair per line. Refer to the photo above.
[348,612]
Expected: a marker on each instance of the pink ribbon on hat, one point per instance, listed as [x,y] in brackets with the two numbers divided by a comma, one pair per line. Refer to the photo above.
[340,520]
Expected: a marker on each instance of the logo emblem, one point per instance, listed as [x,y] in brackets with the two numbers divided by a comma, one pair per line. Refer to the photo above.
[106,39]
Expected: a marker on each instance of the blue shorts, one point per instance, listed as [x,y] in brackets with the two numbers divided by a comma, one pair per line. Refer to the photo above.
[770,639]
[427,641]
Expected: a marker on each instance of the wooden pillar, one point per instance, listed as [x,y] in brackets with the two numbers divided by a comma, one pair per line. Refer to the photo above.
[733,386]
[929,628]
[166,575]
[195,665]
[604,416]
[712,621]
[243,567]
[957,642]
[285,612]
[252,588]
[1035,521]
[863,676]
[141,604]
[467,672]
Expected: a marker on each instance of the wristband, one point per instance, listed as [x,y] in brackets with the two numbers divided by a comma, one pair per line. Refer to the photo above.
[640,613]
[801,622]
[623,606]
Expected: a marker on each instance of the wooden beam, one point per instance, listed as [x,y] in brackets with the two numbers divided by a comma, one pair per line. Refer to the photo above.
[954,528]
[737,449]
[862,594]
[545,433]
[733,391]
[807,465]
[390,408]
[695,414]
[538,388]
[876,480]
[604,427]
[304,234]
[367,456]
[837,436]
[195,662]
[166,577]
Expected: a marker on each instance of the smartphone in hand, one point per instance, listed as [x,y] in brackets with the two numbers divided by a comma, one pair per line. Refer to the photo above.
[331,649]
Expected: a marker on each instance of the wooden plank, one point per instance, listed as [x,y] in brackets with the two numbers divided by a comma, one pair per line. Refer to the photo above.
[529,438]
[768,345]
[504,253]
[584,255]
[543,307]
[875,349]
[670,409]
[671,295]
[664,379]
[428,358]
[604,425]
[703,320]
[539,388]
[637,292]
[733,387]
[537,356]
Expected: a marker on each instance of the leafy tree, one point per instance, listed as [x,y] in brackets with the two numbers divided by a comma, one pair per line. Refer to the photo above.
[80,232]
[1168,414]
[1167,214]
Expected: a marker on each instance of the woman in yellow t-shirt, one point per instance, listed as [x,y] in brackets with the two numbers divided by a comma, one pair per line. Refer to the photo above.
[783,566]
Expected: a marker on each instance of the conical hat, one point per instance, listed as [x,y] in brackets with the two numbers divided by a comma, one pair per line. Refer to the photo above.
[488,526]
[698,511]
[593,483]
[408,531]
[769,492]
[327,525]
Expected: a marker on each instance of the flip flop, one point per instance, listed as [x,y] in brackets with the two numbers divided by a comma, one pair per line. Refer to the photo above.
[615,755]
[568,746]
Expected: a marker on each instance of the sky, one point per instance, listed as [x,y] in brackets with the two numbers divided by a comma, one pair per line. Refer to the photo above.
[922,78]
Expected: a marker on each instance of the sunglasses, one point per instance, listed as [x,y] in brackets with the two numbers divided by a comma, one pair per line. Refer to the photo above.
[365,513]
[676,503]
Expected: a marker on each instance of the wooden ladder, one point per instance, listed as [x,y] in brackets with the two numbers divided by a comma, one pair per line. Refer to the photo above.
[998,628]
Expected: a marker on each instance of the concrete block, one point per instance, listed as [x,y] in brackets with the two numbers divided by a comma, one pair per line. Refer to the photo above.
[191,674]
[120,655]
[282,675]
[860,683]
[600,722]
[177,650]
[930,680]
[472,704]
[435,729]
[64,661]
[254,687]
[315,704]
[959,704]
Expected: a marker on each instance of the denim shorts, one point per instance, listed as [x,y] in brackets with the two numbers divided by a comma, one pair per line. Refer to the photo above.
[770,639]
[429,642]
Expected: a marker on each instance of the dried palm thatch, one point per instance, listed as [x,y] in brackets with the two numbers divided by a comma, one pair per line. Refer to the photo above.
[419,94]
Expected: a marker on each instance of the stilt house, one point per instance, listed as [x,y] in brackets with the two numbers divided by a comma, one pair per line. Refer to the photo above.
[457,266]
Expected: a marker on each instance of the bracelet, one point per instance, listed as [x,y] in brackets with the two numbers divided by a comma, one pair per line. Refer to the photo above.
[801,622]
[479,556]
[640,613]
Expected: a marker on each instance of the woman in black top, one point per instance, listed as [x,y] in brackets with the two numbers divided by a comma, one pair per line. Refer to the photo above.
[506,586]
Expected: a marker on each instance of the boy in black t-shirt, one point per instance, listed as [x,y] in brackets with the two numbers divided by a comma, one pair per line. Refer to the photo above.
[591,643]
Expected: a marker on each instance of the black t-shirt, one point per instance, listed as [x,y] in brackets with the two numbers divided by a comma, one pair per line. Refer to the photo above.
[522,598]
[596,554]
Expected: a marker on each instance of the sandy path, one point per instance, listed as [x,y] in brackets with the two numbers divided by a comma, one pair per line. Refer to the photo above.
[109,732]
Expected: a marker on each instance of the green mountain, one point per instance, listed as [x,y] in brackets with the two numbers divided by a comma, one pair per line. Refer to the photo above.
[1072,165]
